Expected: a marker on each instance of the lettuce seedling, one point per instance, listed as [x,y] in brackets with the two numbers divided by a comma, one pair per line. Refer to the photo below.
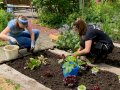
[70,59]
[81,87]
[95,70]
[33,63]
[70,80]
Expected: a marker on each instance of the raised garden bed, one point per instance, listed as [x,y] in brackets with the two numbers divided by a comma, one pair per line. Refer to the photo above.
[51,74]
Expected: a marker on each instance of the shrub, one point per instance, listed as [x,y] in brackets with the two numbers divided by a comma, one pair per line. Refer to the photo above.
[4,18]
[51,20]
[68,41]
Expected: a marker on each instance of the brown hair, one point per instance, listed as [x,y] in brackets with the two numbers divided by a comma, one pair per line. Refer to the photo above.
[22,17]
[80,25]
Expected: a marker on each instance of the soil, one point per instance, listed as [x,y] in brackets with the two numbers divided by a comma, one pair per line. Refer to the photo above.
[113,58]
[51,75]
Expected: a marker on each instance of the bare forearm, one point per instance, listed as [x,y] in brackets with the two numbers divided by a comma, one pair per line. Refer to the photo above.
[32,37]
[4,37]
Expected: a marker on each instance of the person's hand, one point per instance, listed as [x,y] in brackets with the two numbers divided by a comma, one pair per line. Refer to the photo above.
[75,54]
[13,40]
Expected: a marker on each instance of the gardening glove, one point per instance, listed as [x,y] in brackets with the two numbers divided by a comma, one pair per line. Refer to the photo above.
[13,40]
[32,45]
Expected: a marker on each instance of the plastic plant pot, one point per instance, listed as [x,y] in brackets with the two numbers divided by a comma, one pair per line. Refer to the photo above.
[73,71]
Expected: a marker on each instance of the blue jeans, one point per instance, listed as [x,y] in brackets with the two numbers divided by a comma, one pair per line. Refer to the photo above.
[24,38]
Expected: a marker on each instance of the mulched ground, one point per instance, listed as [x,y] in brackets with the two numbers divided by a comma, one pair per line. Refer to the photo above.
[52,77]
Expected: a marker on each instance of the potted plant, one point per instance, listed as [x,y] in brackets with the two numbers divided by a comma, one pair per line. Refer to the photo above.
[70,68]
[81,87]
[70,58]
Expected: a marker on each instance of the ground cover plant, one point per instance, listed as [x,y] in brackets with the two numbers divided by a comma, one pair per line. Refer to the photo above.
[7,83]
[51,74]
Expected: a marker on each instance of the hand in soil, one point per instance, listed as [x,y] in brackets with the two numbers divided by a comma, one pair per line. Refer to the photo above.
[70,81]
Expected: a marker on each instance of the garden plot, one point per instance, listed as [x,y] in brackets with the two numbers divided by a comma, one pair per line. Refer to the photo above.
[49,73]
[22,82]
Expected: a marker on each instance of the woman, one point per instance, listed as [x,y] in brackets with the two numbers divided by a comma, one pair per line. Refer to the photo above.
[18,31]
[94,43]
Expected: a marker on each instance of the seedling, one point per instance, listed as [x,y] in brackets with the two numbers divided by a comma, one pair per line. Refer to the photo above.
[70,59]
[70,80]
[33,63]
[43,59]
[82,64]
[95,70]
[119,78]
[81,87]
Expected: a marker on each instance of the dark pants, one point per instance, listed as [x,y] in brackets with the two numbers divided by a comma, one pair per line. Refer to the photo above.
[98,49]
[24,38]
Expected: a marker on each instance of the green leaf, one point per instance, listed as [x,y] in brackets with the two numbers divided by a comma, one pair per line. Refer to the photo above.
[70,59]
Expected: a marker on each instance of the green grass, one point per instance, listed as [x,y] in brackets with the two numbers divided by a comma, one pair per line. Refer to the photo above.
[3,43]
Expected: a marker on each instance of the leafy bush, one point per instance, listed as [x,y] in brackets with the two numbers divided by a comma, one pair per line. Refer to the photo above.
[4,18]
[68,41]
[51,20]
[55,12]
[72,17]
[107,16]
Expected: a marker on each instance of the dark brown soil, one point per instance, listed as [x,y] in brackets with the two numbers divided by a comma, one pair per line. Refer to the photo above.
[52,77]
[113,58]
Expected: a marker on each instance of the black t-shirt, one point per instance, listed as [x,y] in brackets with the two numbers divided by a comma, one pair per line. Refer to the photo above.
[97,36]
